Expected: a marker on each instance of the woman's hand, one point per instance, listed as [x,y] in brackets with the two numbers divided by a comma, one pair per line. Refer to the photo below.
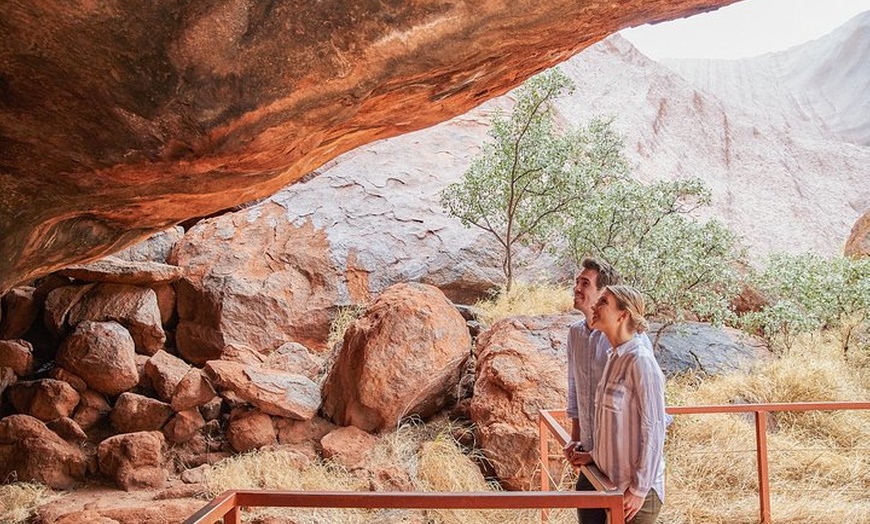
[568,449]
[631,504]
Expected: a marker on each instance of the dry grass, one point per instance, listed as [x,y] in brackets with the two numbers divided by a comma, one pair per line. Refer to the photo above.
[344,317]
[819,461]
[19,500]
[526,299]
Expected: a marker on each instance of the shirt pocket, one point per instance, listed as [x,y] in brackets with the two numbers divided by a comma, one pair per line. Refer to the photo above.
[614,397]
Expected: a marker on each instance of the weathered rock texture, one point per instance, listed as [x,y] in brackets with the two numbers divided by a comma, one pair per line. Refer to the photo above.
[858,244]
[403,357]
[121,119]
[518,374]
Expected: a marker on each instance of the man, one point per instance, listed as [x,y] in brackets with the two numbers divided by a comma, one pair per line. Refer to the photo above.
[587,353]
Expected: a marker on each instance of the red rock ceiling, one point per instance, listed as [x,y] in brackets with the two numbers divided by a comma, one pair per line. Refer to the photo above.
[120,118]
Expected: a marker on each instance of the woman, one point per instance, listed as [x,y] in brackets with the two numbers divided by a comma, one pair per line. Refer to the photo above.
[629,409]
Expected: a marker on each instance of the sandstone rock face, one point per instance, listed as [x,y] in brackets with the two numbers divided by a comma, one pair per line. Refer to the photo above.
[102,354]
[518,374]
[17,355]
[133,413]
[45,399]
[133,307]
[32,452]
[193,124]
[678,127]
[347,445]
[273,392]
[402,357]
[252,279]
[858,244]
[250,429]
[133,460]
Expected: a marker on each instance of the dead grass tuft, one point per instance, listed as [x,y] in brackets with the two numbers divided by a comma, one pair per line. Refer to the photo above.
[19,501]
[526,299]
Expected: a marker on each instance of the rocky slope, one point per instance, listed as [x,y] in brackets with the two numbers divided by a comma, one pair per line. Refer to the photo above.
[779,178]
[821,85]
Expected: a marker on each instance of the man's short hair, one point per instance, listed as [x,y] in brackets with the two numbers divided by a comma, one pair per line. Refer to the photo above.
[607,274]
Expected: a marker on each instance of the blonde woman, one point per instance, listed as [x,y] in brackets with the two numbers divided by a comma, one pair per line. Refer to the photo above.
[629,409]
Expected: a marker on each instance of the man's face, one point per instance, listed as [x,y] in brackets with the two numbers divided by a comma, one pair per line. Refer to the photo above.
[586,292]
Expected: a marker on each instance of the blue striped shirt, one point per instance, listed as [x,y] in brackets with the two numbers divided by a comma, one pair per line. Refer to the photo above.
[587,355]
[630,420]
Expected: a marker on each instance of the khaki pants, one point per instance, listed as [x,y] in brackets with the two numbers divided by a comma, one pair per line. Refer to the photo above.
[648,513]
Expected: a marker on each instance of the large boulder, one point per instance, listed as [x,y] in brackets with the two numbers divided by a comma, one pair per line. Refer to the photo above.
[250,429]
[521,370]
[45,399]
[20,309]
[103,355]
[700,347]
[253,279]
[273,392]
[403,357]
[133,413]
[134,460]
[17,355]
[29,451]
[165,372]
[133,307]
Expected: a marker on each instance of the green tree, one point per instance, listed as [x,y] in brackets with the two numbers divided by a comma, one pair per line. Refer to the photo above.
[532,173]
[683,266]
[808,292]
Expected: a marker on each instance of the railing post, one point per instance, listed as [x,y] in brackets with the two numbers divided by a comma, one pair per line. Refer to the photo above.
[233,516]
[544,450]
[761,458]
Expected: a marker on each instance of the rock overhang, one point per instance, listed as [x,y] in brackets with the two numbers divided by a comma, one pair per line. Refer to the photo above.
[119,120]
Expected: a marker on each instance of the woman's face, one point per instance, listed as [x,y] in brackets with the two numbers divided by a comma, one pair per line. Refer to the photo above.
[606,315]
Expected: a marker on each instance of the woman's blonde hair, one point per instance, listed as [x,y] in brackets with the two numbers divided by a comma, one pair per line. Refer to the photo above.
[629,299]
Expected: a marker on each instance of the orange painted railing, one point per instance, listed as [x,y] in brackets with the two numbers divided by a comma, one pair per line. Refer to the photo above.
[227,506]
[548,426]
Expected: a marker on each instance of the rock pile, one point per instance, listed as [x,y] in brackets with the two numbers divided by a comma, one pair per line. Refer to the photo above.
[94,381]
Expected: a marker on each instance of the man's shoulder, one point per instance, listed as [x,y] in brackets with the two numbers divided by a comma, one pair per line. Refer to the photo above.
[579,327]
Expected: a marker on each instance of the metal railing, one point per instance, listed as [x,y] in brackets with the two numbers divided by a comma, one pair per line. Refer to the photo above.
[227,506]
[548,426]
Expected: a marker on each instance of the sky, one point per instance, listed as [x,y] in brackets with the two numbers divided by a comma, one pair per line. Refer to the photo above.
[746,28]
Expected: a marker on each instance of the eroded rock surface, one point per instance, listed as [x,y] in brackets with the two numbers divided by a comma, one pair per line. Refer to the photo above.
[208,105]
[402,357]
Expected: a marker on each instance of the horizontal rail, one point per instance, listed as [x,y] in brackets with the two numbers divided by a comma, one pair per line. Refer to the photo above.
[749,408]
[550,414]
[548,422]
[219,507]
